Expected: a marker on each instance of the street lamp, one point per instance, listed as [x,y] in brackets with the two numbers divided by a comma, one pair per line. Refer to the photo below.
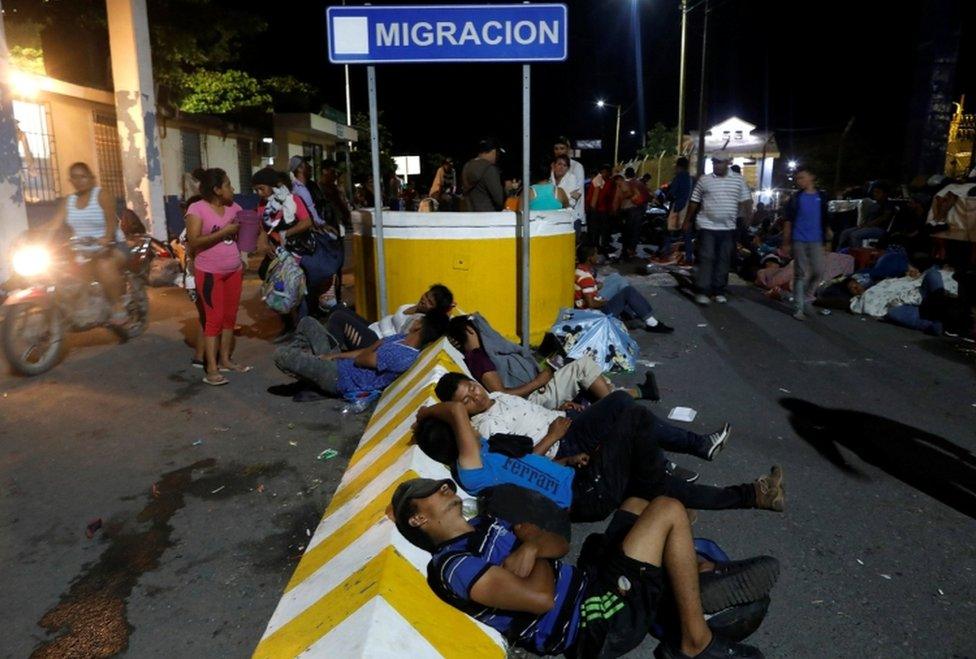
[633,132]
[616,142]
[792,165]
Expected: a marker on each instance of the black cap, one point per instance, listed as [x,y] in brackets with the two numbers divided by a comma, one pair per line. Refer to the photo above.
[417,488]
[562,139]
[489,144]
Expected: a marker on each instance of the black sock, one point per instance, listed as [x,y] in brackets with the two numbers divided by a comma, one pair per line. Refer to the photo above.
[649,390]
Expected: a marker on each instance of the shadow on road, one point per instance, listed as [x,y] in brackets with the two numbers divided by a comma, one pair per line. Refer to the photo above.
[929,463]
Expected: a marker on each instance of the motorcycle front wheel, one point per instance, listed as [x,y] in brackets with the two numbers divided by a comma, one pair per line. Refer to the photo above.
[33,338]
[137,306]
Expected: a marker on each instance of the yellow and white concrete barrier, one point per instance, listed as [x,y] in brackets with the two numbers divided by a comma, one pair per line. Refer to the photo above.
[360,589]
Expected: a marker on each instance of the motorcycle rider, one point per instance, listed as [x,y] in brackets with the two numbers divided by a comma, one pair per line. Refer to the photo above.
[90,213]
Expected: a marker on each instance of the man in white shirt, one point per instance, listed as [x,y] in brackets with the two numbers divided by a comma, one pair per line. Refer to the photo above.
[562,147]
[717,200]
[353,332]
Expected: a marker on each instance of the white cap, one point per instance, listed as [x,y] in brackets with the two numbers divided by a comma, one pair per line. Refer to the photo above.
[722,156]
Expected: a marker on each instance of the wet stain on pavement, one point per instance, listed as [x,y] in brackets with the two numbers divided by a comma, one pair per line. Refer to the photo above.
[280,551]
[191,387]
[91,619]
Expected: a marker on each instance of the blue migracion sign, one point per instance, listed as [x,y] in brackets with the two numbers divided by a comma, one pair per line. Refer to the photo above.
[450,33]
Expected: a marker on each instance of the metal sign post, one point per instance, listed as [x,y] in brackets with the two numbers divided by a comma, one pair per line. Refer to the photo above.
[374,138]
[526,242]
[455,33]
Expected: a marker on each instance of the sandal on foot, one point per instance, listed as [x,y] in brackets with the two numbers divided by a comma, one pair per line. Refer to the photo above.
[219,381]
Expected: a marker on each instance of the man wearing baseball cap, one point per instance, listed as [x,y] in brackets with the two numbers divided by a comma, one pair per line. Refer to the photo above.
[481,182]
[513,578]
[717,200]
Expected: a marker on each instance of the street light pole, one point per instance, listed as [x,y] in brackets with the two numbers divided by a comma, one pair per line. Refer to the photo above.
[638,70]
[681,76]
[701,98]
[616,141]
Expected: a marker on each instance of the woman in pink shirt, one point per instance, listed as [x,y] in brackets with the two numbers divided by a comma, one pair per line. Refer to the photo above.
[211,228]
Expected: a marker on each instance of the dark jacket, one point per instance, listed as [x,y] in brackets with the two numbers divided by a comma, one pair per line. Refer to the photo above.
[481,186]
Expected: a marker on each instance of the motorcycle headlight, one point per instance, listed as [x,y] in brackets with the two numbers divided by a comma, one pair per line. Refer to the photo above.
[31,260]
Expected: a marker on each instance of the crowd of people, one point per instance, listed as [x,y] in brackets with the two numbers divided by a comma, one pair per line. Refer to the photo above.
[546,445]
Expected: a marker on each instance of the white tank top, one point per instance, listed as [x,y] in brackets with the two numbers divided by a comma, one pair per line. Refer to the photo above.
[87,222]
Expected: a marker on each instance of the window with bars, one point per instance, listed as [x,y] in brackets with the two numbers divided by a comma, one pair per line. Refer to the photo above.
[313,155]
[38,155]
[244,153]
[192,153]
[107,153]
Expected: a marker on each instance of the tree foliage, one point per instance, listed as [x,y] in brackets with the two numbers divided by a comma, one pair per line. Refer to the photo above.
[361,159]
[660,138]
[213,92]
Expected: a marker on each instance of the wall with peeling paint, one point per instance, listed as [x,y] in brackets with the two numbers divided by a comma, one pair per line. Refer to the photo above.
[220,152]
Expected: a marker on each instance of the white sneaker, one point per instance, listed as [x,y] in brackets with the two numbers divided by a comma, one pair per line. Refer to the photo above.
[717,441]
[721,299]
[702,300]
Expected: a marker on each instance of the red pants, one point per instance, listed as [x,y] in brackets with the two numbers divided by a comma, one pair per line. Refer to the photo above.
[220,295]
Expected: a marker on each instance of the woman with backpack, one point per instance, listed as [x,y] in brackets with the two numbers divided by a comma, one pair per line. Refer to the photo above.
[288,224]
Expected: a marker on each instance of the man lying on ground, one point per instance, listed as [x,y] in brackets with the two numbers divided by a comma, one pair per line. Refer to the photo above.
[353,331]
[552,389]
[512,579]
[311,356]
[603,460]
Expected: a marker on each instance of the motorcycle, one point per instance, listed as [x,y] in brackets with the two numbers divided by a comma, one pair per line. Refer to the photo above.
[58,294]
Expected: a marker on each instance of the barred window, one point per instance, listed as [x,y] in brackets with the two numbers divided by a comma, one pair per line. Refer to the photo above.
[244,154]
[38,155]
[192,158]
[108,153]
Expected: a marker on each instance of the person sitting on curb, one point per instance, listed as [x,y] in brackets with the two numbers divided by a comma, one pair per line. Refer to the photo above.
[352,331]
[614,457]
[614,296]
[552,389]
[513,578]
[313,357]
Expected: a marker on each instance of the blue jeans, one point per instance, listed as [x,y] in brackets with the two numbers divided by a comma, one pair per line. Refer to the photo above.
[909,315]
[854,236]
[714,260]
[627,304]
[612,285]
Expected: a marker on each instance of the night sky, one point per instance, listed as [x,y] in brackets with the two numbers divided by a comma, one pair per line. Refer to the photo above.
[801,69]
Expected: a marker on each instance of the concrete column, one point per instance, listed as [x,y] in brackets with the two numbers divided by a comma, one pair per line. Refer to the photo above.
[135,108]
[13,214]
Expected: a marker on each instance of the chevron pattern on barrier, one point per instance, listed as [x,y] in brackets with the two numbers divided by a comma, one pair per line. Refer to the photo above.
[360,589]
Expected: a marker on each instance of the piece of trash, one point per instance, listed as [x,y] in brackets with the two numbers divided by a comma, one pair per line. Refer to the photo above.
[817,602]
[291,426]
[785,391]
[886,576]
[260,488]
[93,527]
[218,489]
[682,414]
[825,312]
[308,533]
[293,443]
[198,442]
[327,454]
[860,562]
[703,324]
[221,429]
[646,364]
[155,491]
[940,592]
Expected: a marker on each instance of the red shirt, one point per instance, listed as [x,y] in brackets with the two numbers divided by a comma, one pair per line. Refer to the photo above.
[585,285]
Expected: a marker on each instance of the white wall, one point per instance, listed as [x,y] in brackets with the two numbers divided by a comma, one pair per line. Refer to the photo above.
[171,155]
[222,153]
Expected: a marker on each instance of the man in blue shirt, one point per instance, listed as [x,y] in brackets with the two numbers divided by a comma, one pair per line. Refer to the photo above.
[513,578]
[299,179]
[804,234]
[314,356]
[602,458]
[679,190]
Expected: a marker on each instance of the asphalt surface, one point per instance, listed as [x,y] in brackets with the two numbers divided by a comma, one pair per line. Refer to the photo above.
[875,427]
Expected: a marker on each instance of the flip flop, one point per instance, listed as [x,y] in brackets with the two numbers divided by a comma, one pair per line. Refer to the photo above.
[216,383]
[240,369]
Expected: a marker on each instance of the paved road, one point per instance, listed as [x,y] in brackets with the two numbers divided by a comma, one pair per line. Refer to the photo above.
[874,425]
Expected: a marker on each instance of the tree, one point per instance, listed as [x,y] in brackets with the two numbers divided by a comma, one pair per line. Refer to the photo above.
[361,159]
[197,48]
[659,138]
